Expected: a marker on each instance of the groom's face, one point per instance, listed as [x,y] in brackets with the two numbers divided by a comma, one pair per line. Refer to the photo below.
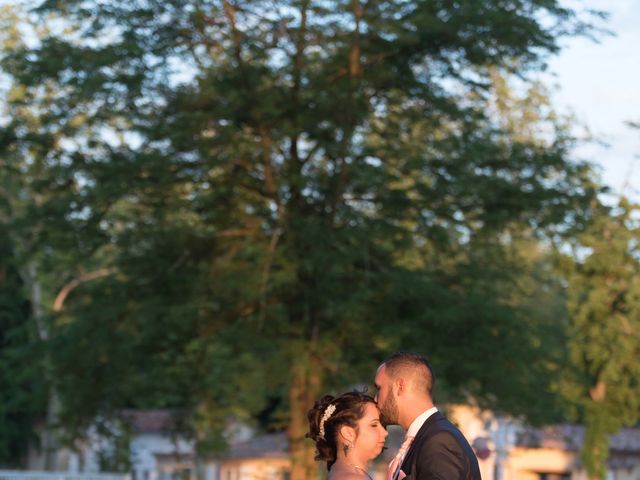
[385,397]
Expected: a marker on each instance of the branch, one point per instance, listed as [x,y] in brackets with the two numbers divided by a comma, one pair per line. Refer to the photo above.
[62,295]
[230,12]
[599,391]
[269,179]
[265,276]
[354,55]
[237,233]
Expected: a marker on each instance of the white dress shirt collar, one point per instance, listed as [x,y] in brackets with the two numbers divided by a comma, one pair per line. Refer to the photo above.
[419,421]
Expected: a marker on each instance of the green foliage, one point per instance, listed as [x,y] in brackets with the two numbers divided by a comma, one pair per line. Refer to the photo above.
[293,184]
[22,388]
[604,306]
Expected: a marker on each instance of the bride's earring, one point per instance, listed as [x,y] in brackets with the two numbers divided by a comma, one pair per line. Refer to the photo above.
[346,448]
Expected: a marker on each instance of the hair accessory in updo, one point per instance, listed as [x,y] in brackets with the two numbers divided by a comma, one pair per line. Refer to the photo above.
[326,416]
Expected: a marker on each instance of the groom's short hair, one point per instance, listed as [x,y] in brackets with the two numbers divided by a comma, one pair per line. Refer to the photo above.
[413,364]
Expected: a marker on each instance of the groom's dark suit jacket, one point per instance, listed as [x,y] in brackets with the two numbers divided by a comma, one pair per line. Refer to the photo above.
[440,452]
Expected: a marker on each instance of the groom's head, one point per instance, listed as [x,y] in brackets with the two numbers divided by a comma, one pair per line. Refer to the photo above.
[404,383]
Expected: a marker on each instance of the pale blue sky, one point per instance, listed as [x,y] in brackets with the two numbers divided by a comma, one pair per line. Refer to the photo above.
[600,84]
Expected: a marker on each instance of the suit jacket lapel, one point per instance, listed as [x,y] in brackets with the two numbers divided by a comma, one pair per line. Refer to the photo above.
[417,442]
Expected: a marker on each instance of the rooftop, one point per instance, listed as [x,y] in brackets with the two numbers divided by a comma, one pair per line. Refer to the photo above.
[571,436]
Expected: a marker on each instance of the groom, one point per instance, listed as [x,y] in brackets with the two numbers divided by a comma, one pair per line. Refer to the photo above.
[433,448]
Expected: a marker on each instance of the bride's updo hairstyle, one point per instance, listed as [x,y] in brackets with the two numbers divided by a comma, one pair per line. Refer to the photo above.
[328,415]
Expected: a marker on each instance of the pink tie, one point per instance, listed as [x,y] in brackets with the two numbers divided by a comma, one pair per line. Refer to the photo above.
[394,466]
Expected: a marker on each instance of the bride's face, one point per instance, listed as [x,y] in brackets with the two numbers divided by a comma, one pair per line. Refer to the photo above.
[371,434]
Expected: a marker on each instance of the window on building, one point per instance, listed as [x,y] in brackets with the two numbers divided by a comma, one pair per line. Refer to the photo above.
[181,474]
[554,476]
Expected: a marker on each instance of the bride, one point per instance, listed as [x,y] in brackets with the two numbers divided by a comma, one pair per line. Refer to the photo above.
[348,434]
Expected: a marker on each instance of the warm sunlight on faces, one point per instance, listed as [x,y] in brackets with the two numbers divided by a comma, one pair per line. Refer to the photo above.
[371,434]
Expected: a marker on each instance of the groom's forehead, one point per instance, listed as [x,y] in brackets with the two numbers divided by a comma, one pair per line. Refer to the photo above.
[381,374]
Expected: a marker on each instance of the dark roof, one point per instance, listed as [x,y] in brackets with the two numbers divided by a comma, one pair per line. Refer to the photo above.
[149,421]
[276,445]
[570,437]
[273,445]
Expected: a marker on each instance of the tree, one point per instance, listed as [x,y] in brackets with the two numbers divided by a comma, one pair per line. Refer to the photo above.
[604,338]
[301,176]
[22,389]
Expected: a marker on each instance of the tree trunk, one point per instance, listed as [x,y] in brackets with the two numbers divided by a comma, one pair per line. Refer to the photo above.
[595,449]
[50,443]
[305,386]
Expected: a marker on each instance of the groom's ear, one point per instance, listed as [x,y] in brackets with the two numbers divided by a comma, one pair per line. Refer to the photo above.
[401,385]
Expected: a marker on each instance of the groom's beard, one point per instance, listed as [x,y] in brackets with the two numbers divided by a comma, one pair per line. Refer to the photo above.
[389,411]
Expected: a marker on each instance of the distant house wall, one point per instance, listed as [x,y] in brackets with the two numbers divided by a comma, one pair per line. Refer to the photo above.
[82,459]
[628,474]
[255,469]
[145,449]
[529,463]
